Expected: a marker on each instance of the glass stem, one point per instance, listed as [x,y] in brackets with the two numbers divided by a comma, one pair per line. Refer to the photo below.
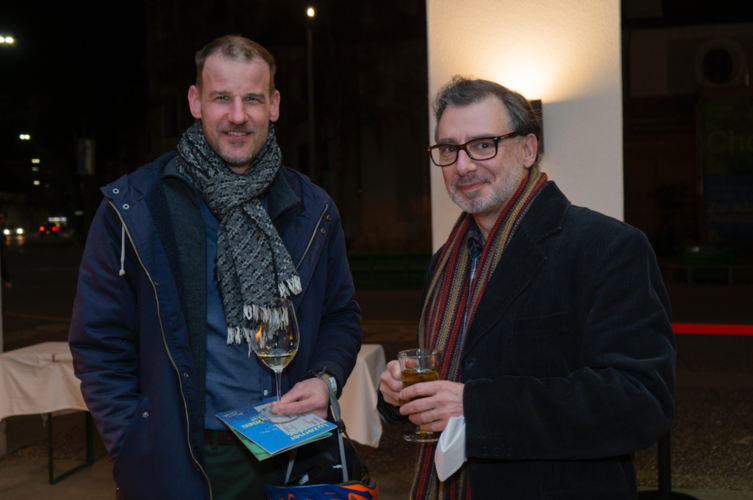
[278,376]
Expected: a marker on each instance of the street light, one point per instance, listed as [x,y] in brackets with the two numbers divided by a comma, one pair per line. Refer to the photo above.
[24,137]
[35,160]
[8,39]
[310,74]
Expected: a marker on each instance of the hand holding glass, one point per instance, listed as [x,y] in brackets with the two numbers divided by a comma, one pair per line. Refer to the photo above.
[419,365]
[275,344]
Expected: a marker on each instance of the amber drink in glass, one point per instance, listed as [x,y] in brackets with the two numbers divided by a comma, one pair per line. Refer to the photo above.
[419,365]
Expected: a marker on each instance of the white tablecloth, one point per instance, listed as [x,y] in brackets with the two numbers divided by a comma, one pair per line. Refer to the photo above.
[38,379]
[358,402]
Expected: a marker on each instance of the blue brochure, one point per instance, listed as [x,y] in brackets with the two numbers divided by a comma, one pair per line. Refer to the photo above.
[269,439]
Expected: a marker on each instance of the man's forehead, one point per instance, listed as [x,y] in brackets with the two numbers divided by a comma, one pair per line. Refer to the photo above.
[217,65]
[480,119]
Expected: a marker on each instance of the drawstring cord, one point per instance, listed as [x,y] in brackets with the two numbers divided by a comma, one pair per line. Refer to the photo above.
[122,250]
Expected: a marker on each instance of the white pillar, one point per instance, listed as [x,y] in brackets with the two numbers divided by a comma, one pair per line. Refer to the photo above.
[3,440]
[565,53]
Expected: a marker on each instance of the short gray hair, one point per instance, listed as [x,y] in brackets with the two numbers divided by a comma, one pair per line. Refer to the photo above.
[463,91]
[236,48]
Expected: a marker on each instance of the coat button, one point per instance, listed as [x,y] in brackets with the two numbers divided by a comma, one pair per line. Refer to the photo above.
[470,362]
[185,375]
[495,451]
[324,231]
[116,191]
[126,206]
[145,414]
[329,217]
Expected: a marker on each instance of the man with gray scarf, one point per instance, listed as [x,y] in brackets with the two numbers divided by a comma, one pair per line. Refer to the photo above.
[183,258]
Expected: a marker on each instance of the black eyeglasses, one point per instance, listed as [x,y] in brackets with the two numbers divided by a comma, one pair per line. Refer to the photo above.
[444,155]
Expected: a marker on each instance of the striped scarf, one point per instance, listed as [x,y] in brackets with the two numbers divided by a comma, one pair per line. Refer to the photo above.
[442,320]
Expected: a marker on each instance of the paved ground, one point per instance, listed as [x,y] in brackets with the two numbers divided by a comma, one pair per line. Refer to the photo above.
[712,434]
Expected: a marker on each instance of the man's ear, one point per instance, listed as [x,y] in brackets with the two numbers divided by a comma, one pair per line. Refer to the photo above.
[194,101]
[530,150]
[274,108]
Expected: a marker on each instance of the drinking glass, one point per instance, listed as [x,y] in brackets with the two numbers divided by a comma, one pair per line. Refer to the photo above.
[419,365]
[275,344]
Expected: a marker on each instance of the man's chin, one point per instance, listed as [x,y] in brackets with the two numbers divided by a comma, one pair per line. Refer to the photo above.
[237,160]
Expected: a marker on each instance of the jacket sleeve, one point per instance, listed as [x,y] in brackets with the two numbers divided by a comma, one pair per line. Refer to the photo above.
[104,330]
[339,337]
[619,400]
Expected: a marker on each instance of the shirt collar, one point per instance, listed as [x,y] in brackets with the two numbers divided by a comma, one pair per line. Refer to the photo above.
[474,240]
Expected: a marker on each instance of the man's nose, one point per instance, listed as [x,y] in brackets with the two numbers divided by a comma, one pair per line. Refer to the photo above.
[237,112]
[464,164]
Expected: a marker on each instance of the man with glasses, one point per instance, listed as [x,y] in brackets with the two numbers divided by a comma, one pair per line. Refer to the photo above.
[552,319]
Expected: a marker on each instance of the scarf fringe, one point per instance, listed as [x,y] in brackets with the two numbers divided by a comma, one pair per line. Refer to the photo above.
[290,287]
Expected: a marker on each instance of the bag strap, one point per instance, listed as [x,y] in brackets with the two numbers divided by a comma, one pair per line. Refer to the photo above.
[335,404]
[340,427]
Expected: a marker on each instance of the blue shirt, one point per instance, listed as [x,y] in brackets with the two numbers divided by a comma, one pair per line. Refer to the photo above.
[475,243]
[233,379]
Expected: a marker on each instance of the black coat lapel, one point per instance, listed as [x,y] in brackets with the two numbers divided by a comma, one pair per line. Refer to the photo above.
[516,267]
[520,260]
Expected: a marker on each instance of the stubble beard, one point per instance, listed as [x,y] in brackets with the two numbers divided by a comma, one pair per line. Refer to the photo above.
[472,203]
[228,155]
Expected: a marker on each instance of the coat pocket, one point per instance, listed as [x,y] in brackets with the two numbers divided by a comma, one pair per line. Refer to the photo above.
[135,446]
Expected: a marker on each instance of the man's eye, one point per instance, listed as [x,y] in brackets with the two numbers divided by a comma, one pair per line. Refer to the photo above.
[481,145]
[447,150]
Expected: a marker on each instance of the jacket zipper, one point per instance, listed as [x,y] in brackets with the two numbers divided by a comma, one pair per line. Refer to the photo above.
[326,207]
[164,340]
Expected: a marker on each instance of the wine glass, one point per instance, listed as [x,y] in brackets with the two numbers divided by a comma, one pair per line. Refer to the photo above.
[419,365]
[275,344]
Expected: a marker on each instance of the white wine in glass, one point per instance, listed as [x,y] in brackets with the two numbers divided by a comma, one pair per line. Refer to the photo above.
[275,344]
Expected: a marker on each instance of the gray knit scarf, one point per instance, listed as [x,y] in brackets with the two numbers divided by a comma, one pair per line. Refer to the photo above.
[254,269]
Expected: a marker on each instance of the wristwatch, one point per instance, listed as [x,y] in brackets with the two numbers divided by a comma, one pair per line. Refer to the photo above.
[332,382]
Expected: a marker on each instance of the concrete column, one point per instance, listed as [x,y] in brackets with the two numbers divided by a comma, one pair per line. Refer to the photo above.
[3,440]
[565,53]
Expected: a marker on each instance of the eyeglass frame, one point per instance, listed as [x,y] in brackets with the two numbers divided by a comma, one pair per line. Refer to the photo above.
[463,147]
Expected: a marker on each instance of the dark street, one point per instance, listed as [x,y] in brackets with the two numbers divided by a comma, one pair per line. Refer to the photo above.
[38,307]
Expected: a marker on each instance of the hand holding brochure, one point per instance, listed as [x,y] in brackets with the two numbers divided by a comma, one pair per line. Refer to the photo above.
[267,440]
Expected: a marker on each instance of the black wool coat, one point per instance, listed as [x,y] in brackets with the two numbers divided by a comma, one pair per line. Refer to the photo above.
[569,363]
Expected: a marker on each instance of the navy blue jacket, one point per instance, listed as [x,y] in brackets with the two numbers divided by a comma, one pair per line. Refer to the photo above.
[569,362]
[139,340]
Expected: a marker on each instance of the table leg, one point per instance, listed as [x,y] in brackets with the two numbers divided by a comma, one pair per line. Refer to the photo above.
[49,448]
[89,439]
[89,449]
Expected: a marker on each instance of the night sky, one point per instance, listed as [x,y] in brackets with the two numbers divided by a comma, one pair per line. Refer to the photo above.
[72,72]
